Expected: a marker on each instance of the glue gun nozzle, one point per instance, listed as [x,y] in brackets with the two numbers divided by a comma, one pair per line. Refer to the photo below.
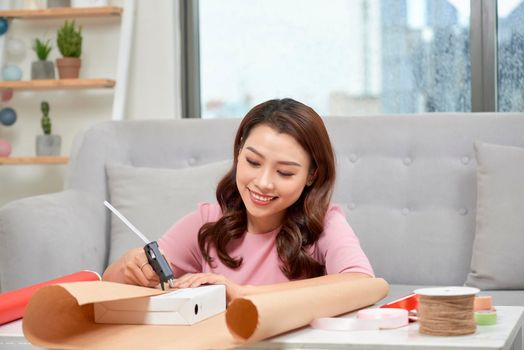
[171,283]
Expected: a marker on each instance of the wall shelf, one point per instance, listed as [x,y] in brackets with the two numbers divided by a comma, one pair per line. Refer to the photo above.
[61,84]
[64,12]
[34,160]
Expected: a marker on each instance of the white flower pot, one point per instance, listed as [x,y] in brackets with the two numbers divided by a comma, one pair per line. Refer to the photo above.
[48,145]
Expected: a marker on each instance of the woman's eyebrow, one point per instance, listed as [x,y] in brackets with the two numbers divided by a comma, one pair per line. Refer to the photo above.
[283,162]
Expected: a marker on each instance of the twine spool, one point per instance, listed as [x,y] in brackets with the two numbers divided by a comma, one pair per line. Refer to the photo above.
[446,311]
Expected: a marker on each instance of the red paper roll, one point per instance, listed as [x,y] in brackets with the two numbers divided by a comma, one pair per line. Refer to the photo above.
[13,303]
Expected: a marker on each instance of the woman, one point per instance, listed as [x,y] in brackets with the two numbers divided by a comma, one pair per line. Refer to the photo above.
[273,227]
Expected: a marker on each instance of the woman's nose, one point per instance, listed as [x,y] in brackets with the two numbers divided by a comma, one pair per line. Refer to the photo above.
[264,180]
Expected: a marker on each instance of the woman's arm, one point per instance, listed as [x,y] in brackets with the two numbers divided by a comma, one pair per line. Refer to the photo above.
[234,290]
[337,277]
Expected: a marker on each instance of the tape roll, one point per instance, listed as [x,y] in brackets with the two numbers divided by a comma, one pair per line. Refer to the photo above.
[486,318]
[367,319]
[483,302]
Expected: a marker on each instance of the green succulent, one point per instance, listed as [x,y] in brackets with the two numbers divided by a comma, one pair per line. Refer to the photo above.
[69,40]
[42,49]
[46,121]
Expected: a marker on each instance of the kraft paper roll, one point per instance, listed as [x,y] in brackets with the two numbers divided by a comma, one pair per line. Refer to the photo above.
[61,316]
[13,303]
[257,317]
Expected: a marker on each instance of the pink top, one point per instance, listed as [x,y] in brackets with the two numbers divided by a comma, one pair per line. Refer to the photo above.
[338,248]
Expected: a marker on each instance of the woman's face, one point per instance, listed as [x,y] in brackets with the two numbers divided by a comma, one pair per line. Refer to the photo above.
[272,171]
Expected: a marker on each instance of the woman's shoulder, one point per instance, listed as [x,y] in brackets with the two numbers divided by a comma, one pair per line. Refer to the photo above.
[209,212]
[335,220]
[334,211]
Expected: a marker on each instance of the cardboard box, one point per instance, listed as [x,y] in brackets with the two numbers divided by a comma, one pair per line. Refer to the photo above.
[181,307]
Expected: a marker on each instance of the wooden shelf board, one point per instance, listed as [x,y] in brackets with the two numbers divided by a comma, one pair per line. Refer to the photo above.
[35,160]
[62,84]
[63,12]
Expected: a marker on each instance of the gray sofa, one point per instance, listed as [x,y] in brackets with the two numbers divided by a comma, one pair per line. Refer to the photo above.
[407,182]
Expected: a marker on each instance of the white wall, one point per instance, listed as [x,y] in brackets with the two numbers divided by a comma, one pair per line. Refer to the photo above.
[152,91]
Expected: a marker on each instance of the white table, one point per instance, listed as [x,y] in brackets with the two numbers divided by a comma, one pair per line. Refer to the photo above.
[506,334]
[11,337]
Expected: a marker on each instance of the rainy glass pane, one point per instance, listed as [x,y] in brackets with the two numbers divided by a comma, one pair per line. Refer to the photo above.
[510,55]
[339,56]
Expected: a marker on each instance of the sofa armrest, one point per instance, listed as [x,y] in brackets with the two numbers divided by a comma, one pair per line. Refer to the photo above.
[48,236]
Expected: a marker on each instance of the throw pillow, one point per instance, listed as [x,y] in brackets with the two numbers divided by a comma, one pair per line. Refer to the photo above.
[496,262]
[153,199]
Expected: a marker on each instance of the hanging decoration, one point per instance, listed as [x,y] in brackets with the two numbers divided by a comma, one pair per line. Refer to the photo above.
[7,95]
[5,148]
[11,72]
[7,116]
[15,50]
[4,25]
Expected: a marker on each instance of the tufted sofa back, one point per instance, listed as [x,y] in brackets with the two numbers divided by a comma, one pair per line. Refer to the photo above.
[407,182]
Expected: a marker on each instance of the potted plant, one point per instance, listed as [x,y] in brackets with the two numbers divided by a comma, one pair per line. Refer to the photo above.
[47,144]
[69,42]
[42,69]
[58,3]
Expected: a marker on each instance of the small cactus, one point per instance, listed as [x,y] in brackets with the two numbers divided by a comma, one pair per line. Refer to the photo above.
[46,121]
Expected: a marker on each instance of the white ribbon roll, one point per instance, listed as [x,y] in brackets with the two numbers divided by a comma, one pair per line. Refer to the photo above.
[367,319]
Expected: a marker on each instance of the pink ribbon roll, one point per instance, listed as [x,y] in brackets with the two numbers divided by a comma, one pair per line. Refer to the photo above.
[367,319]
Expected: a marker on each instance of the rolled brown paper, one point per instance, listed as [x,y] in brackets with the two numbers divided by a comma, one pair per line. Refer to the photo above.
[13,303]
[61,316]
[261,316]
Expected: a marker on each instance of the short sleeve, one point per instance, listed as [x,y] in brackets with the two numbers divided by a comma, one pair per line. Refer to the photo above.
[180,242]
[339,247]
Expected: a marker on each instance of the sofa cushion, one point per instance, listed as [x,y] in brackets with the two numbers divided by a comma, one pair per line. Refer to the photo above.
[153,199]
[495,264]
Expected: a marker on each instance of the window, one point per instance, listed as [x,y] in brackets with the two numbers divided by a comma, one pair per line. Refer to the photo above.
[347,57]
[510,55]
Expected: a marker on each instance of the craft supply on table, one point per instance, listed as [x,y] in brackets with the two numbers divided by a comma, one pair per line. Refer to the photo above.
[367,319]
[13,303]
[486,318]
[483,302]
[183,306]
[485,313]
[446,311]
[408,302]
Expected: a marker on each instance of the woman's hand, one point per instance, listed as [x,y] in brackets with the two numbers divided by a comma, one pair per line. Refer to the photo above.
[192,280]
[132,268]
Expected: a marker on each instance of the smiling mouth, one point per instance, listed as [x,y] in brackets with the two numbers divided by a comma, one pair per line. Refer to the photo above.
[261,198]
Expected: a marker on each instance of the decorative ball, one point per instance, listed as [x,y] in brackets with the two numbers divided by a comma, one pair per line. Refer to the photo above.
[7,116]
[11,72]
[5,148]
[15,50]
[4,25]
[7,95]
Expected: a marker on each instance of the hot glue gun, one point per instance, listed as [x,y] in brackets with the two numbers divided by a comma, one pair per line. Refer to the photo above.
[154,257]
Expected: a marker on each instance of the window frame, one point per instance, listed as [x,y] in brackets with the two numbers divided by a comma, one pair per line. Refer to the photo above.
[483,57]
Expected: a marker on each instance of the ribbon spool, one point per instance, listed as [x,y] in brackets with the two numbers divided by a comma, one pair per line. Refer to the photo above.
[446,311]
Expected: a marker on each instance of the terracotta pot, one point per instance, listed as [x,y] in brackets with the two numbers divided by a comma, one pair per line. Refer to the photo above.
[68,67]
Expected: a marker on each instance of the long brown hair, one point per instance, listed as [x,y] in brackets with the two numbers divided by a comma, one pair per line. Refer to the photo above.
[304,220]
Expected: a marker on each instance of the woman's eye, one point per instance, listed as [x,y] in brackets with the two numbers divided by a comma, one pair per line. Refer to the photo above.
[252,162]
[285,173]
